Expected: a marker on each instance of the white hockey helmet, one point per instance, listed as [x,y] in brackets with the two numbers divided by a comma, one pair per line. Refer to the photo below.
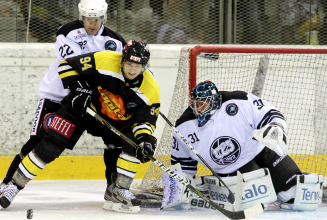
[93,8]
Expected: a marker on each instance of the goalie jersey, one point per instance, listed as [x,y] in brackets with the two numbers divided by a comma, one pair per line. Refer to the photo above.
[73,40]
[225,141]
[114,97]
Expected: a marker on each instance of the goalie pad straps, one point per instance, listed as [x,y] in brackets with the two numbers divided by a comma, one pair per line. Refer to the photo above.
[273,136]
[175,193]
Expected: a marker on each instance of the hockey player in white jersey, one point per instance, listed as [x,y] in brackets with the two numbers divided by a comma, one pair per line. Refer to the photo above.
[237,131]
[82,36]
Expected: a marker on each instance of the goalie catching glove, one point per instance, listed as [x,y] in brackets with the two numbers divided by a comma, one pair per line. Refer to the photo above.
[272,136]
[147,145]
[81,97]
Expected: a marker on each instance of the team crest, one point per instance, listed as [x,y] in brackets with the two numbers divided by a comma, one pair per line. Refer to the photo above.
[225,150]
[110,45]
[232,109]
[47,120]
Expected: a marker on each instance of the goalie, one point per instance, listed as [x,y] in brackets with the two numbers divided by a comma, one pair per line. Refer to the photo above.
[237,131]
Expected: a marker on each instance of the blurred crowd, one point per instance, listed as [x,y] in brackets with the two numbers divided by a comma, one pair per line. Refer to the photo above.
[291,22]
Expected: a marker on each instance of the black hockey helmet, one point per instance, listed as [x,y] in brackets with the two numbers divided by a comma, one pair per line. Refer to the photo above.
[136,52]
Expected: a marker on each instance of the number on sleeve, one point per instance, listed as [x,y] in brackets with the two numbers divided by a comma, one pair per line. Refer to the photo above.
[258,103]
[85,61]
[175,144]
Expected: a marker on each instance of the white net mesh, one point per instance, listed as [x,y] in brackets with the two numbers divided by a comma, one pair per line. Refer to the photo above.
[295,83]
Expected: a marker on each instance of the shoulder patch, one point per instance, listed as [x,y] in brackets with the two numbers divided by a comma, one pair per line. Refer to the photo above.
[110,45]
[187,115]
[232,109]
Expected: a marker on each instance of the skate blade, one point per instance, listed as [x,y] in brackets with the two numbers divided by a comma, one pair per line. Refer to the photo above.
[118,207]
[108,205]
[287,206]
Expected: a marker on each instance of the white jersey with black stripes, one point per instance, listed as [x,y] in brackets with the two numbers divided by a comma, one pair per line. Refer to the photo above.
[225,141]
[73,40]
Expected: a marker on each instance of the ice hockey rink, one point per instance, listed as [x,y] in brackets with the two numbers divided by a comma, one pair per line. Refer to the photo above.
[83,200]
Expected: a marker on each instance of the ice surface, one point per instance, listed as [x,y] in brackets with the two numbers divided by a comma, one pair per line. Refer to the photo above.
[83,200]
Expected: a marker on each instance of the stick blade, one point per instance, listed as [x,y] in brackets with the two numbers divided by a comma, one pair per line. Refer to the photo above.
[254,210]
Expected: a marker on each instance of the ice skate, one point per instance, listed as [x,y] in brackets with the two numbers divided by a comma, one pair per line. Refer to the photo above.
[121,200]
[8,194]
[287,205]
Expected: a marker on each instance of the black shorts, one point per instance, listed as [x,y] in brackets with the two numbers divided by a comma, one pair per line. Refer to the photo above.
[282,169]
[45,111]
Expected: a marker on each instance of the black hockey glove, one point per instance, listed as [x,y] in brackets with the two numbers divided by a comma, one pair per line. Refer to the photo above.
[81,97]
[147,145]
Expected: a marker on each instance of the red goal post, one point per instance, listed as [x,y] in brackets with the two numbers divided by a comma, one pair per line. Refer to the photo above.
[292,78]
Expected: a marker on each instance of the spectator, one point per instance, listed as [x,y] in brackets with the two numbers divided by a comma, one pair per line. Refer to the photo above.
[171,35]
[310,19]
[43,21]
[287,17]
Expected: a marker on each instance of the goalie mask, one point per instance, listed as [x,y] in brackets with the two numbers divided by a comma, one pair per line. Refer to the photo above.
[136,52]
[205,100]
[93,8]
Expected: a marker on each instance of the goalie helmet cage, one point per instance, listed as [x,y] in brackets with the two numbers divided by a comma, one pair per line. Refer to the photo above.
[293,79]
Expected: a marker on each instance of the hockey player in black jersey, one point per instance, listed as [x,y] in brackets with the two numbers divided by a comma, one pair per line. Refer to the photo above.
[120,89]
[85,35]
[237,131]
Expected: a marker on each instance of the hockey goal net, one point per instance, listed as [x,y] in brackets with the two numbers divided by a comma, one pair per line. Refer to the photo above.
[293,79]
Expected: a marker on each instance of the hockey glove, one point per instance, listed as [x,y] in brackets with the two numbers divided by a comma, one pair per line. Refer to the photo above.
[272,136]
[81,97]
[147,145]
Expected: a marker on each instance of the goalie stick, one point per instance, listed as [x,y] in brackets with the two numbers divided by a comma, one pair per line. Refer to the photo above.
[231,197]
[247,213]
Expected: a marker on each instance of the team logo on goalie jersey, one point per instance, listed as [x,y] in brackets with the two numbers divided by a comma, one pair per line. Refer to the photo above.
[225,150]
[232,109]
[110,45]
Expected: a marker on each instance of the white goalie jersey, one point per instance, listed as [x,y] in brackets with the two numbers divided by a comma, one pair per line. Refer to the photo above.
[73,40]
[225,141]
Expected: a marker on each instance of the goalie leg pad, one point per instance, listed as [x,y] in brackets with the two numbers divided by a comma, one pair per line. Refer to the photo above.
[308,192]
[176,195]
[257,188]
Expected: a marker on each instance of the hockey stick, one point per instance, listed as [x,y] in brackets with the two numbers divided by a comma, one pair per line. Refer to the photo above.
[231,197]
[247,213]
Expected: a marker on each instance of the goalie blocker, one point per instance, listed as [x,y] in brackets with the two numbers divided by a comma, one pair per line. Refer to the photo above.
[257,188]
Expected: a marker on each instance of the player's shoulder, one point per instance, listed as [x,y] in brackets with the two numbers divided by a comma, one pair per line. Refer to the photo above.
[234,95]
[149,85]
[187,115]
[107,54]
[148,78]
[69,27]
[112,34]
[108,61]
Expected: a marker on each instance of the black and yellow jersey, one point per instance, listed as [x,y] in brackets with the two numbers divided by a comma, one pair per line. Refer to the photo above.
[113,97]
